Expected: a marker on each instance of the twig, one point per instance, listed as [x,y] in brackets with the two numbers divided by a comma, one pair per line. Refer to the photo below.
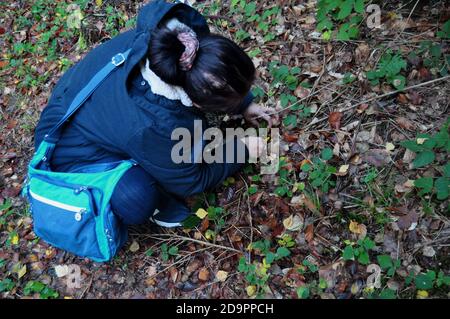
[201,242]
[384,95]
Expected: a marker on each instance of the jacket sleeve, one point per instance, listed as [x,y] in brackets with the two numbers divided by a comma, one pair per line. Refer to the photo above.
[153,152]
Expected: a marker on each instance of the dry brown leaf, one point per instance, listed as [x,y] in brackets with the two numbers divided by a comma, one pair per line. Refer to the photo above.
[335,120]
[203,274]
[406,124]
[309,233]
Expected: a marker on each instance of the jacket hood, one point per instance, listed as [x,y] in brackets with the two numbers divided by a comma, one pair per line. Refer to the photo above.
[152,14]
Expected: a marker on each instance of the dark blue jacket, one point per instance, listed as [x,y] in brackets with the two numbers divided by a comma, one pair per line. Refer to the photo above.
[123,118]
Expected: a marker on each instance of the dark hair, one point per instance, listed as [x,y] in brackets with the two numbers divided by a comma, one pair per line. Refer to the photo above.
[220,77]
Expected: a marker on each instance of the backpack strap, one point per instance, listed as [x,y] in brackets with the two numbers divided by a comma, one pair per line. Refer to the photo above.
[54,134]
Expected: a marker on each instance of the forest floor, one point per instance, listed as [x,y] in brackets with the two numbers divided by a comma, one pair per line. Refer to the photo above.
[359,207]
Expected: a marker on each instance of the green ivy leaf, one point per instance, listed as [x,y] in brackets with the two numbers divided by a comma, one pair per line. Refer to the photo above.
[191,221]
[345,9]
[388,294]
[425,184]
[423,159]
[270,257]
[363,258]
[348,253]
[326,154]
[303,292]
[282,252]
[385,261]
[399,82]
[359,6]
[173,251]
[424,282]
[442,188]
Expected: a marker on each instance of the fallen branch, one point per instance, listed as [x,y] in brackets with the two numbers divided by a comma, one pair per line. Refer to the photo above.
[382,96]
[201,242]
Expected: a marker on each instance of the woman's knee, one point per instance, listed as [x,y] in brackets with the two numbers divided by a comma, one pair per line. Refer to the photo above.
[135,196]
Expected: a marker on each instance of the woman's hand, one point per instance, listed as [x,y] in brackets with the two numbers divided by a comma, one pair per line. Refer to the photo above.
[255,112]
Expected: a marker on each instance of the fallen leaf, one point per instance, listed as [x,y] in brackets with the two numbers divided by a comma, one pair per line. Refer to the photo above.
[309,232]
[151,271]
[134,247]
[421,140]
[22,271]
[61,270]
[15,239]
[201,213]
[335,120]
[428,251]
[422,294]
[390,147]
[203,274]
[408,221]
[377,157]
[343,170]
[359,229]
[293,223]
[251,290]
[405,123]
[221,275]
[301,92]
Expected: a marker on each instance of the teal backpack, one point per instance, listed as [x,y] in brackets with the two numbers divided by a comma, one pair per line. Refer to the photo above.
[72,210]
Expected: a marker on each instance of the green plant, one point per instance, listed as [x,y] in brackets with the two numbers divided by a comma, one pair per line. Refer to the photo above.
[444,33]
[320,173]
[312,288]
[389,68]
[285,181]
[167,251]
[256,273]
[286,241]
[433,58]
[40,288]
[426,146]
[263,20]
[386,263]
[283,75]
[345,14]
[6,285]
[429,280]
[360,251]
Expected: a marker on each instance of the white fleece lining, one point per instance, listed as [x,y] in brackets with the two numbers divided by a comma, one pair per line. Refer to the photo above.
[158,86]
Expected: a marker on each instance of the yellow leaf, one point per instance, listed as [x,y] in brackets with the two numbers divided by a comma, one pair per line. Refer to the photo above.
[359,229]
[99,3]
[221,275]
[22,271]
[201,213]
[209,234]
[390,147]
[343,169]
[134,247]
[422,294]
[354,227]
[421,140]
[15,239]
[251,290]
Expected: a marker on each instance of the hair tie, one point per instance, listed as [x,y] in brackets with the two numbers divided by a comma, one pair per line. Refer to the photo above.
[189,39]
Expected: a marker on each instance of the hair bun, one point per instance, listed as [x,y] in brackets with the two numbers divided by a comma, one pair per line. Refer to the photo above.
[164,53]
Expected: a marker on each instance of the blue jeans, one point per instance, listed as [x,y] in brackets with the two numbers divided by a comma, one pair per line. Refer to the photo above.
[137,195]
